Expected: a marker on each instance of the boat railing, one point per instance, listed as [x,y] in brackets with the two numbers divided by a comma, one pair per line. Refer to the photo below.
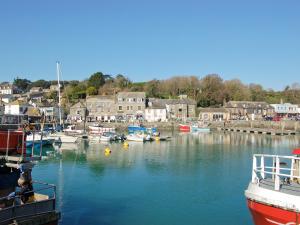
[21,154]
[278,168]
[43,201]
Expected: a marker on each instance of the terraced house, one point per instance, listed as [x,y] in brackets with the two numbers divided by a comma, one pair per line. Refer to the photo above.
[131,105]
[248,110]
[101,108]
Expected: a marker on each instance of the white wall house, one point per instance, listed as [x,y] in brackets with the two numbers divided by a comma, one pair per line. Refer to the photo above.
[156,112]
[6,88]
[285,109]
[16,108]
[7,98]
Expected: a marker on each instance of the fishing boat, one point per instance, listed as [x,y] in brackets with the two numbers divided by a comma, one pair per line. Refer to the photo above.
[273,194]
[135,137]
[15,169]
[184,127]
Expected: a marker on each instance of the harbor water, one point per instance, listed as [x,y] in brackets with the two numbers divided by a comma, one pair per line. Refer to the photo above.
[192,179]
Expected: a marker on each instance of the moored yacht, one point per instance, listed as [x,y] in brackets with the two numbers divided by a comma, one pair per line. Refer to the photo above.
[273,194]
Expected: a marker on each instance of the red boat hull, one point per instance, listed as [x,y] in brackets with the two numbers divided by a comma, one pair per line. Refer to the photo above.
[12,141]
[184,128]
[269,215]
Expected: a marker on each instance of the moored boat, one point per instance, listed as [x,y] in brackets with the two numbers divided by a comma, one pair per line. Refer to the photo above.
[98,129]
[184,127]
[71,130]
[22,200]
[273,194]
[140,128]
[135,137]
[200,129]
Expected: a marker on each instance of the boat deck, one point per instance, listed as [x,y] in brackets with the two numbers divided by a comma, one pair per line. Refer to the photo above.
[291,188]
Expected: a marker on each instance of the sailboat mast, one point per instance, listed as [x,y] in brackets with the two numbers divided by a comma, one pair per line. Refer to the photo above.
[58,87]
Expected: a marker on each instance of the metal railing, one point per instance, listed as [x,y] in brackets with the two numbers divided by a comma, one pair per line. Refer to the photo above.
[21,153]
[278,168]
[17,209]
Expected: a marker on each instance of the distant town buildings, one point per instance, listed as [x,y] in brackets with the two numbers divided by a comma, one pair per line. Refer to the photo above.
[248,110]
[285,109]
[214,114]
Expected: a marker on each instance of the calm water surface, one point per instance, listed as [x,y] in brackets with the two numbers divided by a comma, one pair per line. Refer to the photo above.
[192,179]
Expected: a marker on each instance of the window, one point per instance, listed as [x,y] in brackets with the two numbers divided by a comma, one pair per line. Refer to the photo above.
[139,107]
[131,107]
[180,110]
[134,99]
[120,108]
[127,107]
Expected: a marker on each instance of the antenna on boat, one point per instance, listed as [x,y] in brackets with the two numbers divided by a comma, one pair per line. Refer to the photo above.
[58,87]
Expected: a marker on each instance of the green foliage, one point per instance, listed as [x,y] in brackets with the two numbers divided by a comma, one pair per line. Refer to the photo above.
[40,83]
[96,80]
[21,84]
[91,91]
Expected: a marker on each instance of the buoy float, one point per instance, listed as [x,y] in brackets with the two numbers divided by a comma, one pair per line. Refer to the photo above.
[107,151]
[125,144]
[157,138]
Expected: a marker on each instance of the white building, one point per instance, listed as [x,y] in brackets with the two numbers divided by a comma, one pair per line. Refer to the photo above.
[7,98]
[285,109]
[156,112]
[16,108]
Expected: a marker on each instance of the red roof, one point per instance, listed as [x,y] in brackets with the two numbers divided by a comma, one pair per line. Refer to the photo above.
[296,151]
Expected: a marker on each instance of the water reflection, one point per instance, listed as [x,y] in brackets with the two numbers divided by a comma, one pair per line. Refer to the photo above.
[130,185]
[184,151]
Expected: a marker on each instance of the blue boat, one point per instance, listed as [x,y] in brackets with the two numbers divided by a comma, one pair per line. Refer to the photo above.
[136,128]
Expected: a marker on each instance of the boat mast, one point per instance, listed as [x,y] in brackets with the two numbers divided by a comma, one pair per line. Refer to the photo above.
[58,87]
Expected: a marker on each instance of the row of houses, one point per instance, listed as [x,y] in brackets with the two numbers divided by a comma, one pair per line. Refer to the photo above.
[9,93]
[127,106]
[247,110]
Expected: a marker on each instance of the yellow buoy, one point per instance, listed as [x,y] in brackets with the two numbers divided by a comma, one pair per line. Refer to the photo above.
[157,139]
[125,144]
[107,150]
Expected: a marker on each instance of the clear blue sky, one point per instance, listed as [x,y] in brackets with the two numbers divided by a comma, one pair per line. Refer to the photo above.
[256,41]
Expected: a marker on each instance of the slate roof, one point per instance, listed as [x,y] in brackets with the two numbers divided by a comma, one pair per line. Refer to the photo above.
[246,104]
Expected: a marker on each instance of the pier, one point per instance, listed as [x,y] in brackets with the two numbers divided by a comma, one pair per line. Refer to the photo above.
[258,130]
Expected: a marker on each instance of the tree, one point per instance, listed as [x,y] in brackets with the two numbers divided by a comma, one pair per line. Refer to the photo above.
[235,90]
[257,92]
[40,83]
[91,91]
[121,81]
[211,91]
[96,80]
[21,84]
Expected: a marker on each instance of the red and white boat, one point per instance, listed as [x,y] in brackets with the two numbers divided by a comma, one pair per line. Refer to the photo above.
[184,127]
[23,200]
[273,195]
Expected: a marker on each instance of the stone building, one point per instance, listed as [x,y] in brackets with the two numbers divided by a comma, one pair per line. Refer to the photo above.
[248,110]
[213,114]
[181,109]
[101,108]
[77,112]
[131,105]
